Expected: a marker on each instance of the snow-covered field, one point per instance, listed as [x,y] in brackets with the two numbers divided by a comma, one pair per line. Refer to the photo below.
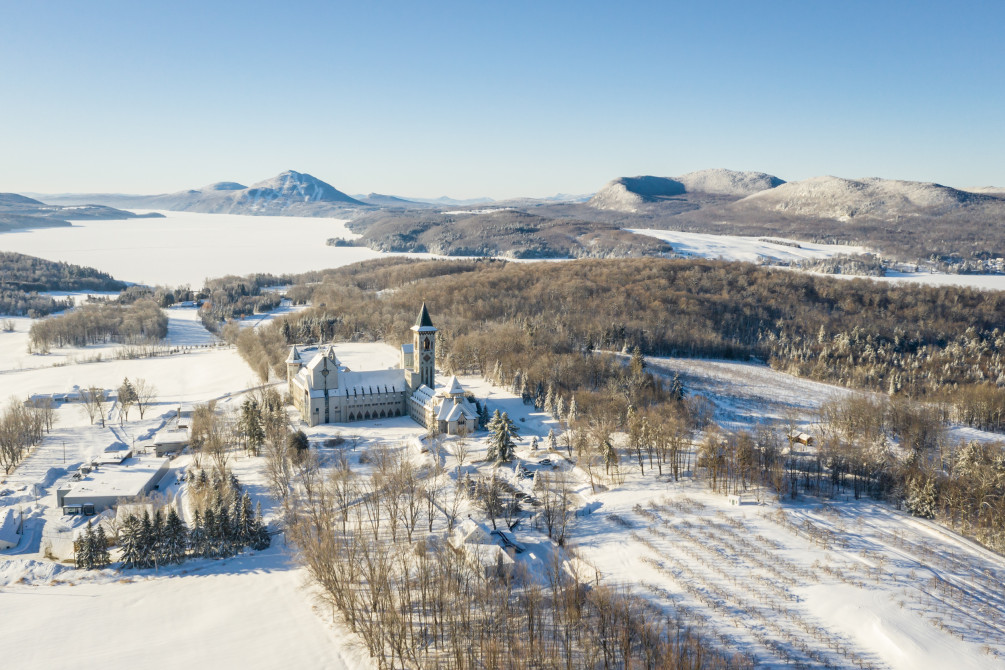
[750,249]
[188,247]
[758,249]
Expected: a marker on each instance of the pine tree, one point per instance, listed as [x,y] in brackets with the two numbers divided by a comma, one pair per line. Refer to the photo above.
[549,400]
[501,441]
[84,549]
[552,440]
[251,426]
[99,553]
[573,411]
[559,412]
[197,536]
[127,397]
[210,542]
[129,540]
[147,541]
[175,538]
[260,533]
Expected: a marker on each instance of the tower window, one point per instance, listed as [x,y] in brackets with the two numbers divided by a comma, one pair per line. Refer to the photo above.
[425,344]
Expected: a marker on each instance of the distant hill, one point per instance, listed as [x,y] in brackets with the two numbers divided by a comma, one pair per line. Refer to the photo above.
[18,212]
[289,193]
[381,200]
[631,194]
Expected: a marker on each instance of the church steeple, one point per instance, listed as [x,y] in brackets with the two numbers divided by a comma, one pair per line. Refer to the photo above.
[424,341]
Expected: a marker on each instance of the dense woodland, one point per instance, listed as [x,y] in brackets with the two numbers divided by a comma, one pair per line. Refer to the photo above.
[542,330]
[22,278]
[502,232]
[545,320]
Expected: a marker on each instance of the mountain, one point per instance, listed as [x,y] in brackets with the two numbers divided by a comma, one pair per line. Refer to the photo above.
[381,200]
[454,202]
[842,200]
[288,193]
[987,190]
[632,194]
[18,211]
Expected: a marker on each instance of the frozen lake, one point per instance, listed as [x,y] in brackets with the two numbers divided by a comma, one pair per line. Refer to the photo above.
[188,247]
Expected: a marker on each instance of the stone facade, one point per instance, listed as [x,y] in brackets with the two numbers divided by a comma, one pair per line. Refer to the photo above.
[326,391]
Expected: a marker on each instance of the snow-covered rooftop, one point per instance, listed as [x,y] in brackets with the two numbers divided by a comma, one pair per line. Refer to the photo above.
[123,481]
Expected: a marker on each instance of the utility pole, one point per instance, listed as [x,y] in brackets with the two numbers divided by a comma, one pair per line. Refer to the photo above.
[64,451]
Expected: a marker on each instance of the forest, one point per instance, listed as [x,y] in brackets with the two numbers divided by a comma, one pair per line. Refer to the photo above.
[551,333]
[22,278]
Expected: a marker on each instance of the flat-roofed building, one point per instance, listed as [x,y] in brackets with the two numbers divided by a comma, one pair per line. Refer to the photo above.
[105,486]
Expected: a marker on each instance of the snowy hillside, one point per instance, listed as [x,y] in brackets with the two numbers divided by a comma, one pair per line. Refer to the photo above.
[627,194]
[728,182]
[844,199]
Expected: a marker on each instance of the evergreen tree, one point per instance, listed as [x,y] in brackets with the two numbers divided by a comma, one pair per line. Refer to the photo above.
[84,549]
[99,553]
[129,540]
[637,365]
[559,412]
[501,441]
[573,411]
[127,397]
[251,426]
[210,540]
[147,541]
[175,538]
[549,400]
[552,441]
[260,533]
[197,536]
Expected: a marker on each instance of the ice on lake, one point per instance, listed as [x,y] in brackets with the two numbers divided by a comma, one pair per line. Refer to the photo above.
[188,247]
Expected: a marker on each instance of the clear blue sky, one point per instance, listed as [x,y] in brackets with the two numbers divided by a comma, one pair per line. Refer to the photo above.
[495,98]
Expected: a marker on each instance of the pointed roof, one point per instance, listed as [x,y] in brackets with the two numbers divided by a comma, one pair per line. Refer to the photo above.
[294,356]
[454,387]
[424,322]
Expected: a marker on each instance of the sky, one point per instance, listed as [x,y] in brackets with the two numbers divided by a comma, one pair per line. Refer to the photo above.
[498,99]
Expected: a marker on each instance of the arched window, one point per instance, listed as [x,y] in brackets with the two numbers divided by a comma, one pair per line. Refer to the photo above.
[425,344]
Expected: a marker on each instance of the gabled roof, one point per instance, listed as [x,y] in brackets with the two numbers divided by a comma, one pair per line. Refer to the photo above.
[318,360]
[424,322]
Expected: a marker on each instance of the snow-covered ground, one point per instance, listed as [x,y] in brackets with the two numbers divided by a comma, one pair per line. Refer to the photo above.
[750,249]
[759,249]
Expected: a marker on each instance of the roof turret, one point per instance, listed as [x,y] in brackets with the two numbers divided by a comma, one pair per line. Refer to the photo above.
[294,356]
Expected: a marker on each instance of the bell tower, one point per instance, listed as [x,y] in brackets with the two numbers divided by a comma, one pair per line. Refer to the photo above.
[424,355]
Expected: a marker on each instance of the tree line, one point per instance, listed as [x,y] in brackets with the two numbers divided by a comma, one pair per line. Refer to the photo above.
[23,278]
[100,323]
[223,524]
[21,428]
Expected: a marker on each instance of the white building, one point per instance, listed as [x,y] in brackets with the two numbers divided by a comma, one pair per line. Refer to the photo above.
[326,391]
[102,488]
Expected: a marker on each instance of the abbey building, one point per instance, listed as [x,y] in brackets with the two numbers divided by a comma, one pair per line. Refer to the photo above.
[326,391]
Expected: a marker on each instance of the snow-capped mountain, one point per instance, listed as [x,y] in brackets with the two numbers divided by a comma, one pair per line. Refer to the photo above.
[289,193]
[628,194]
[846,199]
